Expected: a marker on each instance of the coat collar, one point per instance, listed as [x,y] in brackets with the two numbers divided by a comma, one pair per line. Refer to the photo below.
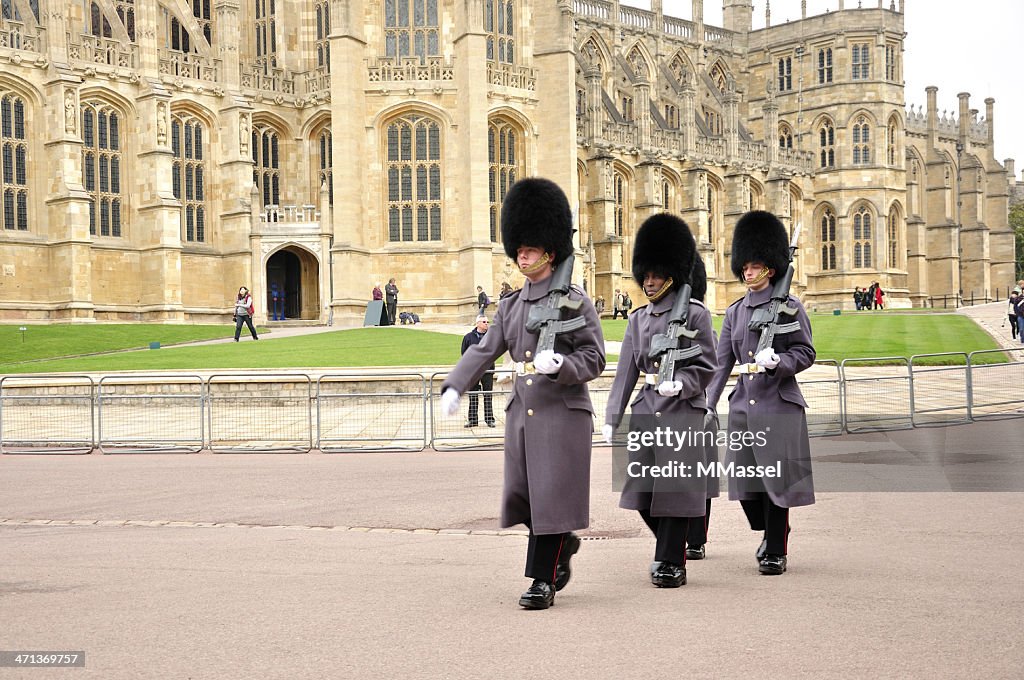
[664,304]
[535,291]
[756,299]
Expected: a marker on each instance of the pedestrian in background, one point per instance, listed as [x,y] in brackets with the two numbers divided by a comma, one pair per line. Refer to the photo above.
[244,311]
[391,300]
[486,383]
[1012,313]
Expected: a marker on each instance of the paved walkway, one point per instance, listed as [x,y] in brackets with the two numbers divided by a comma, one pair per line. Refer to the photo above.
[393,566]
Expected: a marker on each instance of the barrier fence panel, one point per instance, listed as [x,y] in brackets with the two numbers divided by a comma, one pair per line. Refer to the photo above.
[940,393]
[995,388]
[824,397]
[371,412]
[452,433]
[260,412]
[47,414]
[876,398]
[150,414]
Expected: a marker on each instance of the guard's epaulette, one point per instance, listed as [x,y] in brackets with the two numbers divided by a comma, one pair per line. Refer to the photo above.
[639,308]
[736,303]
[576,289]
[698,303]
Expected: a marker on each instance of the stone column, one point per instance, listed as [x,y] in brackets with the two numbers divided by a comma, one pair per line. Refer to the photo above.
[642,89]
[595,103]
[227,40]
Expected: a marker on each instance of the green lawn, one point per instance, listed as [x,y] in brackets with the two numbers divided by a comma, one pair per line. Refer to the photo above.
[356,347]
[45,341]
[879,334]
[836,337]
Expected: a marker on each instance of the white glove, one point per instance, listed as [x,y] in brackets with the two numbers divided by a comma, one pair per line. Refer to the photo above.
[606,432]
[450,402]
[767,358]
[548,362]
[670,388]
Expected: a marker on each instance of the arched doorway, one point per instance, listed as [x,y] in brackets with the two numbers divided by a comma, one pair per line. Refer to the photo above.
[295,274]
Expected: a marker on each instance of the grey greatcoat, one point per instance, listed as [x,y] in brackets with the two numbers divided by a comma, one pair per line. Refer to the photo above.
[548,419]
[684,411]
[768,400]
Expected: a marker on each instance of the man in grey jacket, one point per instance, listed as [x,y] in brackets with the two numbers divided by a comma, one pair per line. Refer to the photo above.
[766,400]
[665,258]
[549,416]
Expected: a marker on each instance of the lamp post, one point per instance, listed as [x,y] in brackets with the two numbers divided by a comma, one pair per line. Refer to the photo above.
[959,229]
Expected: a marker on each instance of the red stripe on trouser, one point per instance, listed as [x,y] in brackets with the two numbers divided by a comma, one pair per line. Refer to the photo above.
[561,542]
[785,538]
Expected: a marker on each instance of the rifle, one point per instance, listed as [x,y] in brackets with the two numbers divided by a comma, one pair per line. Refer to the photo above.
[546,317]
[768,319]
[666,345]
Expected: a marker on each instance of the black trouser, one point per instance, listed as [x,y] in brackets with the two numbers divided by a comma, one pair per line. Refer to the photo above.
[1013,326]
[670,534]
[616,312]
[542,554]
[485,385]
[247,320]
[391,306]
[772,519]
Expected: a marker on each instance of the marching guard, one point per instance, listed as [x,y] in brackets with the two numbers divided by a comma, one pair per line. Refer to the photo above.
[666,264]
[767,398]
[549,415]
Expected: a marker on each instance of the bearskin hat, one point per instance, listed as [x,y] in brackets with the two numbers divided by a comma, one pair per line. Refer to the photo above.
[760,237]
[536,214]
[699,280]
[664,245]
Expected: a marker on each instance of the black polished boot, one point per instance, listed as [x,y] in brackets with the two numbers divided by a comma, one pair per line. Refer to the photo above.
[669,575]
[695,552]
[563,570]
[540,595]
[772,565]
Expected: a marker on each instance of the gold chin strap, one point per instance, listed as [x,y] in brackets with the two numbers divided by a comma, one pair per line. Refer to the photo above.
[760,277]
[661,292]
[543,260]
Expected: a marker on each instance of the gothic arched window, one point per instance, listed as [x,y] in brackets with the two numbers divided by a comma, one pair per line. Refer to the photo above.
[14,195]
[861,141]
[414,179]
[323,29]
[827,145]
[828,239]
[188,140]
[862,238]
[505,162]
[101,167]
[266,158]
[411,28]
[499,24]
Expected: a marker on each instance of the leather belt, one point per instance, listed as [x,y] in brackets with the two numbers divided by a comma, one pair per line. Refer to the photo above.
[524,367]
[751,368]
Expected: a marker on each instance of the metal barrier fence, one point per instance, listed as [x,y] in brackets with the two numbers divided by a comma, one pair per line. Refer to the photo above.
[44,414]
[876,398]
[288,412]
[398,412]
[125,422]
[995,388]
[244,418]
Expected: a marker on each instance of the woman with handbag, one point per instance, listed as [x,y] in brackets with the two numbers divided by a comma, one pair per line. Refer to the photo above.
[244,309]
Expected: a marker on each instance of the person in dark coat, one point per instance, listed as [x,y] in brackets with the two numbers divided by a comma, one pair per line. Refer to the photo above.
[486,383]
[549,415]
[664,260]
[766,401]
[391,300]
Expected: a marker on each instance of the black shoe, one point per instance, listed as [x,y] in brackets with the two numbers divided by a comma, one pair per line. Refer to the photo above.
[654,567]
[490,423]
[695,552]
[563,570]
[669,575]
[759,555]
[772,565]
[469,424]
[540,595]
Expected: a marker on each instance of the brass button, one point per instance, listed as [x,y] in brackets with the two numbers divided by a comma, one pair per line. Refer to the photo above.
[657,414]
[656,364]
[529,411]
[749,354]
[750,377]
[529,381]
[529,354]
[752,402]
